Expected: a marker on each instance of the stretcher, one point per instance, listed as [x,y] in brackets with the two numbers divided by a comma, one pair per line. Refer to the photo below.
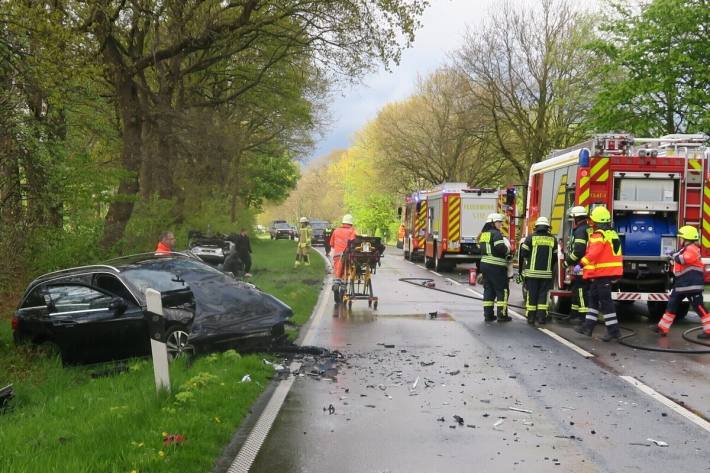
[362,257]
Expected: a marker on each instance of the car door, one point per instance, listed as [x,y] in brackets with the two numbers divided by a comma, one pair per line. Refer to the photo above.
[85,326]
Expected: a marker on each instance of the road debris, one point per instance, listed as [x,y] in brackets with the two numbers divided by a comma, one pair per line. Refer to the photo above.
[454,373]
[659,443]
[516,409]
[458,419]
[498,422]
[246,379]
[414,384]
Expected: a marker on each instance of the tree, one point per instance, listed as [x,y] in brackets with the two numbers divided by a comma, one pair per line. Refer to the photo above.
[656,70]
[530,75]
[434,136]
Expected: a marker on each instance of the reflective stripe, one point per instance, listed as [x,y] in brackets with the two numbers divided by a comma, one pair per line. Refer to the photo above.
[487,303]
[580,240]
[615,264]
[689,289]
[688,270]
[593,311]
[494,260]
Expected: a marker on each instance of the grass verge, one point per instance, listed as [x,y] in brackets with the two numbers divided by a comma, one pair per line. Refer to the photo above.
[64,420]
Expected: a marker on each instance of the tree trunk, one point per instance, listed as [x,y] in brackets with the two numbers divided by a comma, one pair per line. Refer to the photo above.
[120,210]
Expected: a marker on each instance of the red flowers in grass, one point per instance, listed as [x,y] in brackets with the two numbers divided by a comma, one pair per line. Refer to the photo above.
[174,439]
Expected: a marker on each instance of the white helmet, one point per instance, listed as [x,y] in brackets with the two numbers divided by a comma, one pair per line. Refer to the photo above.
[304,220]
[542,222]
[495,217]
[577,211]
[348,219]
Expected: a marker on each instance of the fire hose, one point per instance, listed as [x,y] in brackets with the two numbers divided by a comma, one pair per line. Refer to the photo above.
[428,283]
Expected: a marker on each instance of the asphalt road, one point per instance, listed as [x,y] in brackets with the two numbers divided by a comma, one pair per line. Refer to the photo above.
[524,400]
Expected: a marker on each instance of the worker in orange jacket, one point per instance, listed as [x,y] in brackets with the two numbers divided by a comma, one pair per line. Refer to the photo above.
[601,264]
[689,282]
[339,243]
[166,243]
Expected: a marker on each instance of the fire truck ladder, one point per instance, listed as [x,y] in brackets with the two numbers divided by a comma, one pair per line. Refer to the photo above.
[695,163]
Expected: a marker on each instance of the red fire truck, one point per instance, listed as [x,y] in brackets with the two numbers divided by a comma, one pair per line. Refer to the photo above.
[455,216]
[651,186]
[413,215]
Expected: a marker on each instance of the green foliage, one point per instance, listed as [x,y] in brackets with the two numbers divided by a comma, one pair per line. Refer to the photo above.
[657,71]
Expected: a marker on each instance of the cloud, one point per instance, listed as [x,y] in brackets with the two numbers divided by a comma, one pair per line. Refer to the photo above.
[444,24]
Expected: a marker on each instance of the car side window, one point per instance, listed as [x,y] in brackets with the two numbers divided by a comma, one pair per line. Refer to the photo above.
[67,298]
[113,285]
[34,299]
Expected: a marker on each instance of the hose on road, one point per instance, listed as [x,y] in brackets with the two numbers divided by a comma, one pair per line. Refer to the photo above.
[428,283]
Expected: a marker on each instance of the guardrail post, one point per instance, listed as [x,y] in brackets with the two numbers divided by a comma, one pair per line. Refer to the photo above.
[156,329]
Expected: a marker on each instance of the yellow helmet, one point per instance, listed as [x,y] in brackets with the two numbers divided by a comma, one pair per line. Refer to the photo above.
[688,233]
[601,215]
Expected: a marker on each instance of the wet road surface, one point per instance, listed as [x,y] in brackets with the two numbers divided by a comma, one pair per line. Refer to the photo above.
[523,401]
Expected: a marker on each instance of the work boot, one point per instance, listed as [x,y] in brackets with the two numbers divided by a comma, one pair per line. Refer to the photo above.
[704,336]
[655,328]
[307,263]
[576,320]
[504,318]
[296,264]
[541,319]
[585,329]
[611,336]
[489,317]
[531,319]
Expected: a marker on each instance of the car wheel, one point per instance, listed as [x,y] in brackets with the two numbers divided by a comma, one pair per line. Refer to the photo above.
[177,343]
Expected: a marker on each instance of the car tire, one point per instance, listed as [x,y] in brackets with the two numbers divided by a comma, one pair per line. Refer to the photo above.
[176,341]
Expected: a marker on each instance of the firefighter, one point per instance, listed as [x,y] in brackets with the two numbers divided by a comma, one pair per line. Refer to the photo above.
[338,244]
[305,234]
[602,263]
[576,248]
[494,267]
[689,282]
[536,258]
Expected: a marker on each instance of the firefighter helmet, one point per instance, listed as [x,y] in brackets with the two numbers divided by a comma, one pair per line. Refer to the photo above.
[601,215]
[542,222]
[304,220]
[495,217]
[688,233]
[348,219]
[577,211]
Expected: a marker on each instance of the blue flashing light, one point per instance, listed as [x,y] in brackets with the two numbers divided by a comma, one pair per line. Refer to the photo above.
[584,157]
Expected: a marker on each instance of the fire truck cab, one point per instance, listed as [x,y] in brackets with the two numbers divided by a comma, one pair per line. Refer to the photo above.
[651,186]
[454,219]
[413,216]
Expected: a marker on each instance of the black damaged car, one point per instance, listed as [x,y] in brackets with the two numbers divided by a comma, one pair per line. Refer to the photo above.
[98,313]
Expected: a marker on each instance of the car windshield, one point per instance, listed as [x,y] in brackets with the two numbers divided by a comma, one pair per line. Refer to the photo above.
[167,274]
[282,226]
[319,225]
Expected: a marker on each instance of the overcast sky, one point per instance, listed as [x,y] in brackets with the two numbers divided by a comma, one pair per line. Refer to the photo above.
[444,24]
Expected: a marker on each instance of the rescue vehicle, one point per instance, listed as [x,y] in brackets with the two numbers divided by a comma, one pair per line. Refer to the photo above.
[413,216]
[455,215]
[651,186]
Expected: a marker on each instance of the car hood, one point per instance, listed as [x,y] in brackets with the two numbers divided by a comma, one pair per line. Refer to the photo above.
[228,308]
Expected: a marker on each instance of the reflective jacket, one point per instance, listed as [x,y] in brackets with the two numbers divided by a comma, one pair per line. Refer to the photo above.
[340,238]
[493,248]
[688,269]
[162,248]
[538,255]
[304,236]
[577,245]
[603,258]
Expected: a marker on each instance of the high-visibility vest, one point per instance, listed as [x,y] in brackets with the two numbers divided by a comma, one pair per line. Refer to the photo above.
[340,238]
[688,269]
[538,255]
[493,248]
[603,257]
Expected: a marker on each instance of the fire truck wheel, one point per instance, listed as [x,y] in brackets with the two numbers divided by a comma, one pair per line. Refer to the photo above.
[406,255]
[655,310]
[428,262]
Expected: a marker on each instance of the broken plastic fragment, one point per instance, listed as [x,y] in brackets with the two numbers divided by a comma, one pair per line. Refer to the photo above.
[246,379]
[520,410]
[660,443]
[414,384]
[498,422]
[458,419]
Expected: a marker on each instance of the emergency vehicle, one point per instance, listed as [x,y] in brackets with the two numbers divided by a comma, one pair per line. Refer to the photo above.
[455,216]
[413,215]
[651,186]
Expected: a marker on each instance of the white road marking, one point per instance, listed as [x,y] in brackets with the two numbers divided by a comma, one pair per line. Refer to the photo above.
[420,266]
[434,272]
[702,423]
[566,343]
[454,282]
[247,454]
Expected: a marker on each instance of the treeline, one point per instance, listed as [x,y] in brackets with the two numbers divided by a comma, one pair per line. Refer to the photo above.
[534,77]
[121,118]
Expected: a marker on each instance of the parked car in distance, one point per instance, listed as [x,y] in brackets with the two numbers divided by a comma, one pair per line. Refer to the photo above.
[318,227]
[282,230]
[98,313]
[212,249]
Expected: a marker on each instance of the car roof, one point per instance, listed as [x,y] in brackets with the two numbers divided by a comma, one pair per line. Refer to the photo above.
[114,265]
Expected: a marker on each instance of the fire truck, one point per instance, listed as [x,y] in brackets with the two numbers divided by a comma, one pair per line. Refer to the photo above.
[454,218]
[413,215]
[651,186]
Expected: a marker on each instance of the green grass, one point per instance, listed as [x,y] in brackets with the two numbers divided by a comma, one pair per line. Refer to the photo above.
[273,272]
[62,420]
